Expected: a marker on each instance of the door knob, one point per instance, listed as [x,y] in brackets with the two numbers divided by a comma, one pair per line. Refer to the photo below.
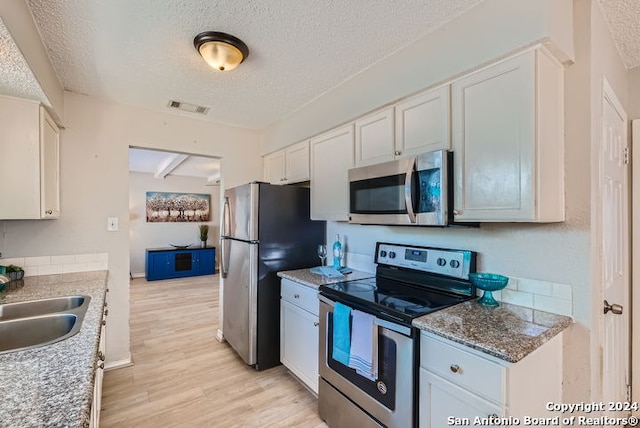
[615,308]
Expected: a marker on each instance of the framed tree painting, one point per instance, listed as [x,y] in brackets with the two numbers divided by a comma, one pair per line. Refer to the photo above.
[167,207]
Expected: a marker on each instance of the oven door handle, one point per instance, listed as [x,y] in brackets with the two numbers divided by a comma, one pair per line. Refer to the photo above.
[408,200]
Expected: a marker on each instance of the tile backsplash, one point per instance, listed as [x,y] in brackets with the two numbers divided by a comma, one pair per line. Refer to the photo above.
[536,294]
[50,265]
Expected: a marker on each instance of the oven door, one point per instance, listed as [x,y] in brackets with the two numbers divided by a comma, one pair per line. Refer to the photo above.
[388,401]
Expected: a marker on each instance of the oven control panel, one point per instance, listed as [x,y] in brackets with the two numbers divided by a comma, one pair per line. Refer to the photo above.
[454,263]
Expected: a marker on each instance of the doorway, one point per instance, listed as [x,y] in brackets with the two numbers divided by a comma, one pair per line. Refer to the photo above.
[169,172]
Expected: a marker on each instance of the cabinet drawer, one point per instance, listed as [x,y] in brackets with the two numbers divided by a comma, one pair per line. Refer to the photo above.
[463,368]
[300,295]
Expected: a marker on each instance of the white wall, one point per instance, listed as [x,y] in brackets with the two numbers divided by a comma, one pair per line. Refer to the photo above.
[634,93]
[488,31]
[143,235]
[95,185]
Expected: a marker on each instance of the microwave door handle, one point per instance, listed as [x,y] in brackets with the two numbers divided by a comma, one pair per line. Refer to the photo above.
[408,180]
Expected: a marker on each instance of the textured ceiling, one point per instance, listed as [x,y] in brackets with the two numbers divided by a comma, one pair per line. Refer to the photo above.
[16,78]
[623,17]
[141,52]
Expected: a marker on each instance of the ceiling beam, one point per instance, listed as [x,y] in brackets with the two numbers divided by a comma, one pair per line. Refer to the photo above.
[170,164]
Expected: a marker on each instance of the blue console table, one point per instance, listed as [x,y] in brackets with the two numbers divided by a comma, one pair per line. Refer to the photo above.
[165,263]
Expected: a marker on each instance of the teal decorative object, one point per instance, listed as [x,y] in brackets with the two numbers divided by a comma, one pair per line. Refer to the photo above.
[488,282]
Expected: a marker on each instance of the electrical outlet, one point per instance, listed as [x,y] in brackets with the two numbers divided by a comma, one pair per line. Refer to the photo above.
[112,224]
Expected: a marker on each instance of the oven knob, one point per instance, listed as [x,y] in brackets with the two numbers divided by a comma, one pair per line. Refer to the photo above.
[392,255]
[441,262]
[454,264]
[383,253]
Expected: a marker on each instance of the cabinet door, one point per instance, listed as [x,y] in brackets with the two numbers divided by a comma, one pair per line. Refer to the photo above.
[204,261]
[159,264]
[50,166]
[297,162]
[422,123]
[441,400]
[493,120]
[299,343]
[274,167]
[20,153]
[374,138]
[331,159]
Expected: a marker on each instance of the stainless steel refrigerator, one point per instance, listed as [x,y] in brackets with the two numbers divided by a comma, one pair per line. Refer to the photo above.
[265,229]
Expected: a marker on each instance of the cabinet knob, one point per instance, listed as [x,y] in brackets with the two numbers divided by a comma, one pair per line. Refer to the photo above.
[101,366]
[398,153]
[100,355]
[106,312]
[49,212]
[316,323]
[455,368]
[457,212]
[296,296]
[104,322]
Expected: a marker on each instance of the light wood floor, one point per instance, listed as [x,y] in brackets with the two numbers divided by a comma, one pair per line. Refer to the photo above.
[183,377]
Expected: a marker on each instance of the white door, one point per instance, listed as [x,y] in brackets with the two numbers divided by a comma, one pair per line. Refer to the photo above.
[635,251]
[615,249]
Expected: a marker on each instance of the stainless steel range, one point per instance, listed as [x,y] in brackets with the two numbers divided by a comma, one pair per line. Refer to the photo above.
[410,281]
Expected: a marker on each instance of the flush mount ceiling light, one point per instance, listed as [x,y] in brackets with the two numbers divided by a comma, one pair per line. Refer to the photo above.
[222,51]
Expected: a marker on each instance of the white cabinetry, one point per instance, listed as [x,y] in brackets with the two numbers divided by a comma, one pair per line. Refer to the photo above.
[507,126]
[374,138]
[299,312]
[99,375]
[416,125]
[29,149]
[331,159]
[289,165]
[457,381]
[422,123]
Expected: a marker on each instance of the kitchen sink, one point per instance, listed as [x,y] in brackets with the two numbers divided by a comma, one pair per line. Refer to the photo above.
[30,332]
[34,323]
[31,308]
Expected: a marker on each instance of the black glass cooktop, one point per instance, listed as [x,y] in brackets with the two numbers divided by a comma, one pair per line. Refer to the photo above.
[385,297]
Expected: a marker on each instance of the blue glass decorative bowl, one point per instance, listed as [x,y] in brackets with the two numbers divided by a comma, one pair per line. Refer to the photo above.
[488,282]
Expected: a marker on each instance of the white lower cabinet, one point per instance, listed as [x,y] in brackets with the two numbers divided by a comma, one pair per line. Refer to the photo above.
[99,375]
[461,386]
[299,320]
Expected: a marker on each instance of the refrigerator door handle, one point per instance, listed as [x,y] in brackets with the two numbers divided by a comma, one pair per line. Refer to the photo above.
[226,217]
[224,265]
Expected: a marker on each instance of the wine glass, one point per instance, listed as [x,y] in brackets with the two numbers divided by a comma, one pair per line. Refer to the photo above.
[322,253]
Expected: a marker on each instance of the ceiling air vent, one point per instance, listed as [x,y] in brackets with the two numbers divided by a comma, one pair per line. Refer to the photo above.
[191,108]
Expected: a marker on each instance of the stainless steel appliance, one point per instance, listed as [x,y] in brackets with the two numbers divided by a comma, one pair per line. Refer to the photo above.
[410,281]
[411,191]
[265,229]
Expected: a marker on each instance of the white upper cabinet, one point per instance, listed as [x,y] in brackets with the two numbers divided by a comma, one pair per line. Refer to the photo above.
[507,126]
[374,138]
[274,167]
[416,125]
[289,165]
[30,173]
[422,123]
[331,158]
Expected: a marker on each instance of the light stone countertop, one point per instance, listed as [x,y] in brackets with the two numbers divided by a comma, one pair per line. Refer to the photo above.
[52,385]
[508,332]
[314,280]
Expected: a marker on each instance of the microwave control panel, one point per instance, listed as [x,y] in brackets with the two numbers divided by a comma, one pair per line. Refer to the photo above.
[454,263]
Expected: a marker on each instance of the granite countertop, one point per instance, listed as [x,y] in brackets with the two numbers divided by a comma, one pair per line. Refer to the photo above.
[52,385]
[314,280]
[508,332]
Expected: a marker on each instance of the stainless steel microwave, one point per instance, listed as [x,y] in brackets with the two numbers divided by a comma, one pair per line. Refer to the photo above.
[413,191]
